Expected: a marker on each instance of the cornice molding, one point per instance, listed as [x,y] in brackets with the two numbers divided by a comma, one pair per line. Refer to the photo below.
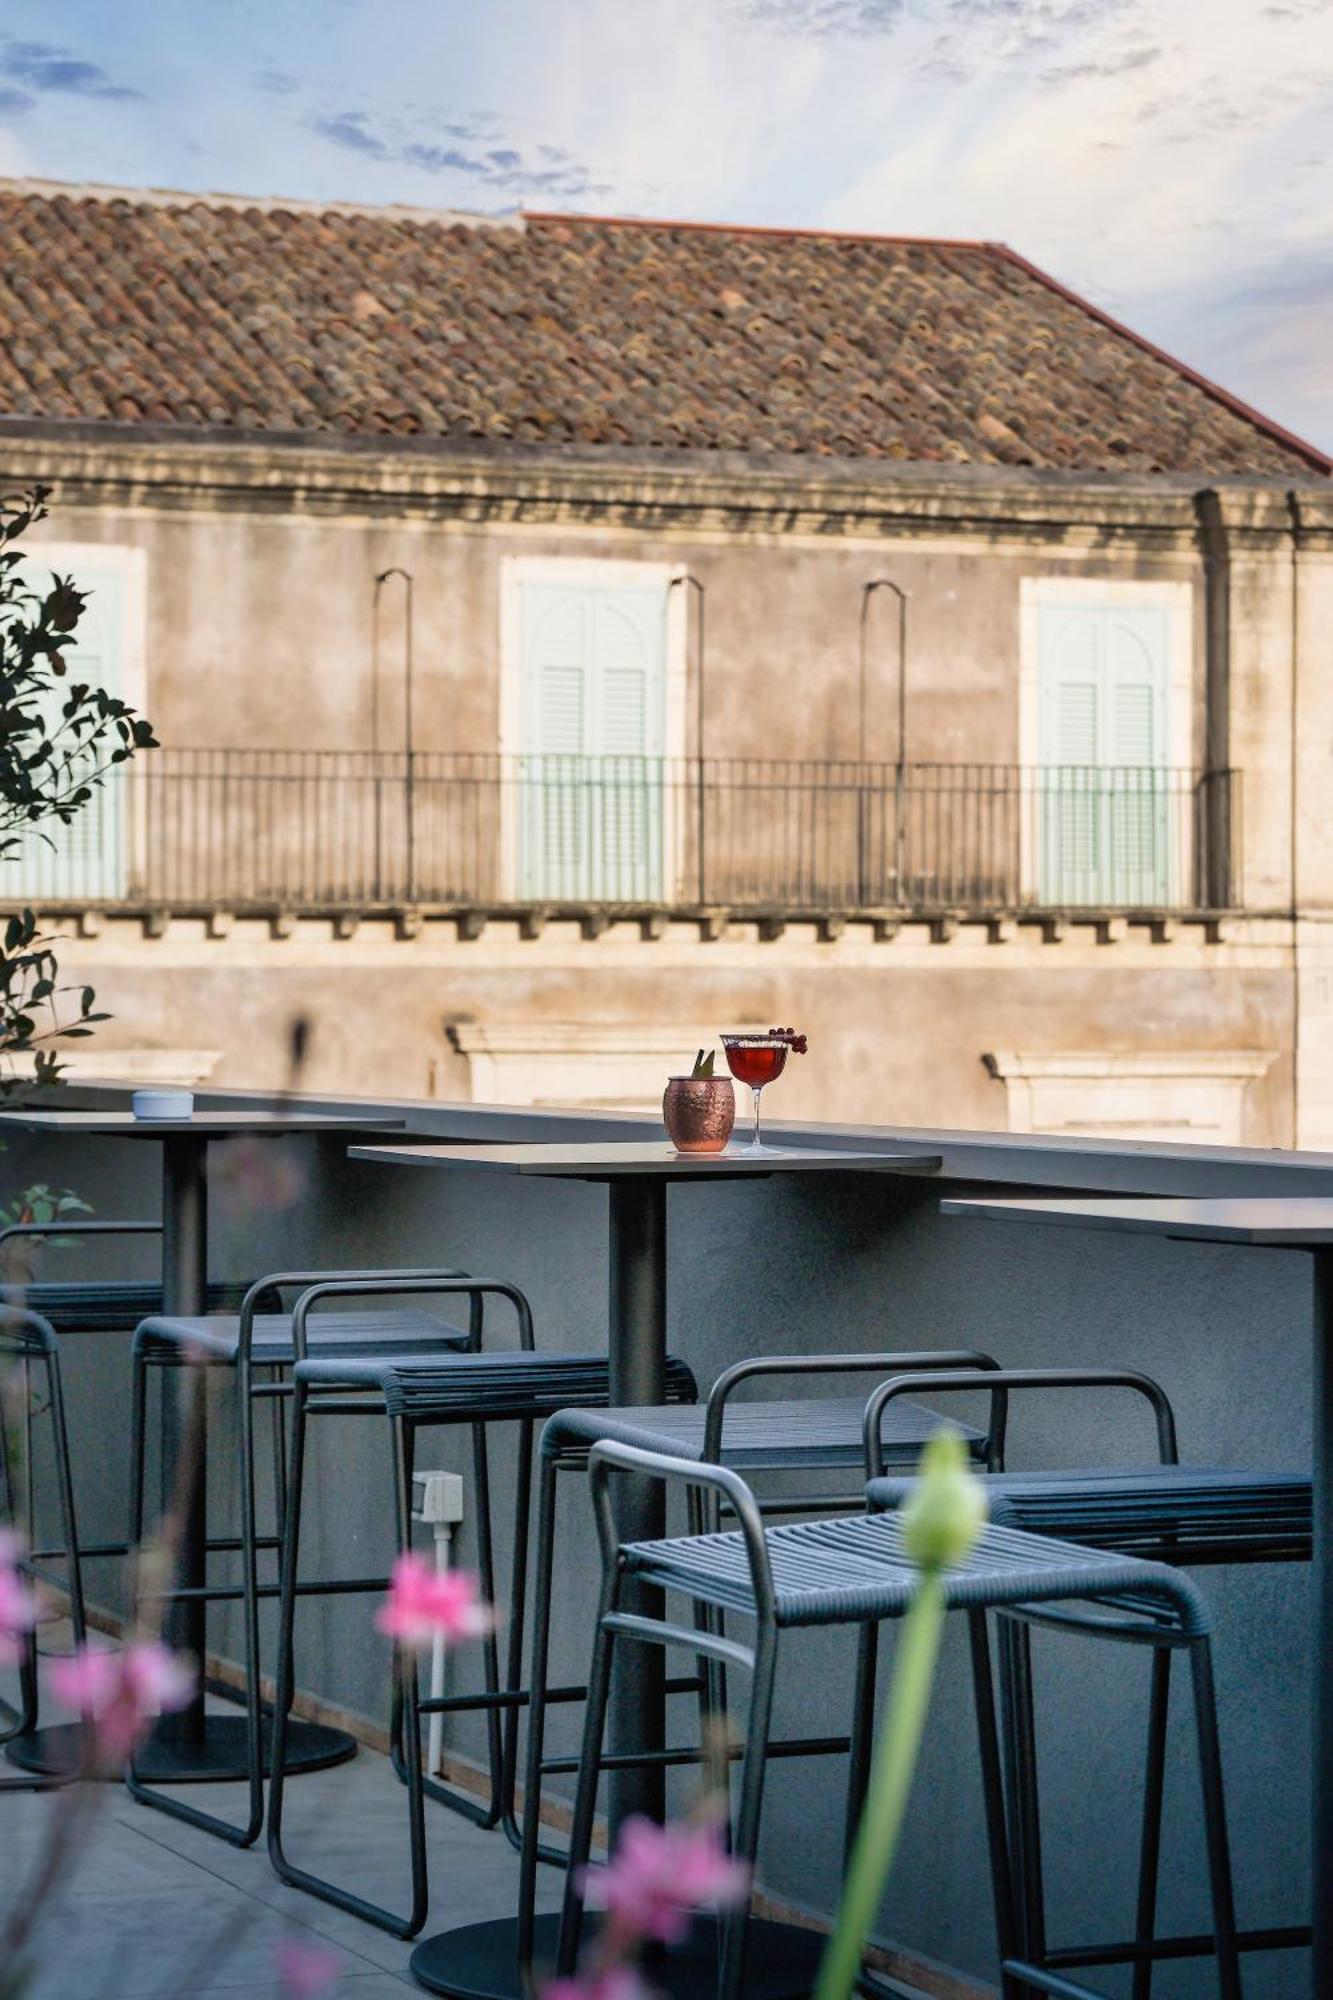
[252,476]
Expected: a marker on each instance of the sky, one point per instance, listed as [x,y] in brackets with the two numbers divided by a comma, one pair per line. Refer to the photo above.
[1170,159]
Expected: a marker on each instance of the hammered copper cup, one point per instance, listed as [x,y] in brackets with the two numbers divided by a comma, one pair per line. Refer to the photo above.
[699,1112]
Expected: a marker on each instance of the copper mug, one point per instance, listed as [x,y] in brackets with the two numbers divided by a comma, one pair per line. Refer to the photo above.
[699,1112]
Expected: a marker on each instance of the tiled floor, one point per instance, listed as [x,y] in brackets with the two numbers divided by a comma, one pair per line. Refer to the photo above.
[152,1907]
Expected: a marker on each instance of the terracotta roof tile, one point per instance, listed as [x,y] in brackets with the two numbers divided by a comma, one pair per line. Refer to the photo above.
[125,307]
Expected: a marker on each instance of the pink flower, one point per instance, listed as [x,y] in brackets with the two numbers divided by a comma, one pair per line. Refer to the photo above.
[18,1606]
[659,1875]
[306,1971]
[424,1602]
[618,1982]
[255,1174]
[120,1693]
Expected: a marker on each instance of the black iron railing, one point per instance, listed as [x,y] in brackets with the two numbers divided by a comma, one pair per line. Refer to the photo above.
[330,829]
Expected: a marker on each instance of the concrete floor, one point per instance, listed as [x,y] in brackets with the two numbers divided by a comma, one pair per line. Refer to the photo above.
[153,1907]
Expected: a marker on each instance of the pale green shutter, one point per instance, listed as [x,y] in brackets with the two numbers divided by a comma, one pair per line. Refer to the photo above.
[85,861]
[591,768]
[1102,790]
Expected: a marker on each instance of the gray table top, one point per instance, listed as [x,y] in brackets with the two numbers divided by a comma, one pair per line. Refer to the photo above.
[1300,1222]
[209,1124]
[608,1161]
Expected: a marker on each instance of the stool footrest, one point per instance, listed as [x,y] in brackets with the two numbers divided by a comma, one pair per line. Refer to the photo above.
[650,1760]
[1280,1937]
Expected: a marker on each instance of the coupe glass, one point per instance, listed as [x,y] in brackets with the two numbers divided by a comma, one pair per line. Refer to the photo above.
[756,1060]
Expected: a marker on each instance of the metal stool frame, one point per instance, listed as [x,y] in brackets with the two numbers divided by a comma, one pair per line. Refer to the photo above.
[810,1435]
[412,1399]
[770,1575]
[1169,1514]
[261,1358]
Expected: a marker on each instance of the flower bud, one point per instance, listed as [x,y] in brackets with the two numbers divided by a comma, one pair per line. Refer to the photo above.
[947,1510]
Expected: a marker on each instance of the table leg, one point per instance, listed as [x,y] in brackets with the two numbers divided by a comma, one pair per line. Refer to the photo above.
[184,1294]
[1322,1774]
[638,1376]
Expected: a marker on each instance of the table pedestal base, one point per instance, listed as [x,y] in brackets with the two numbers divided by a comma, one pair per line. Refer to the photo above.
[479,1962]
[171,1759]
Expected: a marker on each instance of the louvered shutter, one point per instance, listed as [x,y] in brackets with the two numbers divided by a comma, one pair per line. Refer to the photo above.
[591,770]
[86,860]
[1102,789]
[1137,822]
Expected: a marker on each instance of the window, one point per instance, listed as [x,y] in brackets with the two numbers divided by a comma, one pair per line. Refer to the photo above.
[588,709]
[1104,716]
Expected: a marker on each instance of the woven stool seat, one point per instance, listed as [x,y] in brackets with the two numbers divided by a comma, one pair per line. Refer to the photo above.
[844,1571]
[823,1433]
[115,1305]
[522,1382]
[1173,1513]
[363,1331]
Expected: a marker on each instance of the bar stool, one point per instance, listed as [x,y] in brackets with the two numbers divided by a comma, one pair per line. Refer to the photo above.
[1168,1513]
[477,1388]
[100,1305]
[259,1348]
[27,1341]
[812,1434]
[856,1572]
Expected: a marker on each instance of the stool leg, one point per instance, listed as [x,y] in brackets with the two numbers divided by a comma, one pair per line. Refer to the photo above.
[1215,1820]
[518,1598]
[736,1923]
[712,1673]
[279,1443]
[25,1717]
[585,1801]
[1150,1846]
[988,1743]
[490,1647]
[1020,1741]
[254,1720]
[531,1850]
[65,1495]
[138,1446]
[863,1733]
[285,1673]
[405,1662]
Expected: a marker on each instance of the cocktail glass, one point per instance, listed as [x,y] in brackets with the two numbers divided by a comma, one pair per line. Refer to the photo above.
[756,1060]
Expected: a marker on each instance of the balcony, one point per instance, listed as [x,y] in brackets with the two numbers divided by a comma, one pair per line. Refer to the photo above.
[313,830]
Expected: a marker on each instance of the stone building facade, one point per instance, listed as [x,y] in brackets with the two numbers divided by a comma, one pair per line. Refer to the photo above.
[986,737]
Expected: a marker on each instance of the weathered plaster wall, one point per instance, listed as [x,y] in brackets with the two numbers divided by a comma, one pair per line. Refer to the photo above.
[260,601]
[899,1027]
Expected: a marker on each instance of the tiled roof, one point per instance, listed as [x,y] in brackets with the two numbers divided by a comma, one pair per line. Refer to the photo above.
[136,307]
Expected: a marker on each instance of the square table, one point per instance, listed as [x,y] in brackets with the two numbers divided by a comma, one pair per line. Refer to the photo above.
[189,1746]
[1299,1222]
[479,1962]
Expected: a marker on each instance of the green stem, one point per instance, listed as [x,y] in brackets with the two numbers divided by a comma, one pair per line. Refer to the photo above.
[891,1773]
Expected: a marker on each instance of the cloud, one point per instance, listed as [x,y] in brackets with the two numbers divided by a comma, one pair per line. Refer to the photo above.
[277,82]
[13,102]
[1100,66]
[43,66]
[551,172]
[349,129]
[826,19]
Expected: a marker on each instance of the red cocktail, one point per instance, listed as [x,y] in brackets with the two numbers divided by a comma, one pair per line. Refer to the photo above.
[757,1060]
[755,1063]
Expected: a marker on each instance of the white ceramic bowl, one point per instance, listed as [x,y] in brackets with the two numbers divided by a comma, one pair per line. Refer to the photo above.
[162,1103]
